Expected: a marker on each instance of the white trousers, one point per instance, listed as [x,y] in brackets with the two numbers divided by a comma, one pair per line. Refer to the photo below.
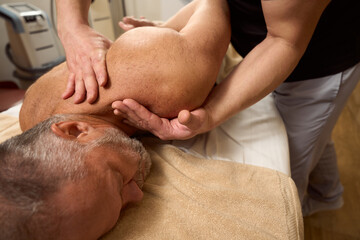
[310,110]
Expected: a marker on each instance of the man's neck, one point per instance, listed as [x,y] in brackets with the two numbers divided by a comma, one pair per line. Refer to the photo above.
[128,130]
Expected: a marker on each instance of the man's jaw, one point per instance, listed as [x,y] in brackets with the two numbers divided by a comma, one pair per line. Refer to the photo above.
[140,174]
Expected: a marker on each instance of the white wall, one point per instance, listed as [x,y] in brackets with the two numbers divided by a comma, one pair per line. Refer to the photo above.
[170,7]
[153,9]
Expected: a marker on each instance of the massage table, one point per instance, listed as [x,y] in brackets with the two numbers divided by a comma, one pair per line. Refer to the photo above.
[231,183]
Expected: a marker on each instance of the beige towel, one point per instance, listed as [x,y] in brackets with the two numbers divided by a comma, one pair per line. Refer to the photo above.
[193,198]
[9,126]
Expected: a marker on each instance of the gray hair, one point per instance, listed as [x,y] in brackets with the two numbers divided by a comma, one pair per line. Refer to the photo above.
[34,165]
[31,169]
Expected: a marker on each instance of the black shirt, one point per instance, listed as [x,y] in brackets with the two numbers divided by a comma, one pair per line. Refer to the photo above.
[334,47]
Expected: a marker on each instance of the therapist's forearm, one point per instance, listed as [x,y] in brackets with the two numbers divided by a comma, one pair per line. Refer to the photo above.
[260,72]
[71,14]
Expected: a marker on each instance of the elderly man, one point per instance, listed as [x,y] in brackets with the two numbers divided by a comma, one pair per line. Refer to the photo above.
[73,169]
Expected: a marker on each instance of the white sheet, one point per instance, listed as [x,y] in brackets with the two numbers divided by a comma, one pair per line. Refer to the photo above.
[13,111]
[255,136]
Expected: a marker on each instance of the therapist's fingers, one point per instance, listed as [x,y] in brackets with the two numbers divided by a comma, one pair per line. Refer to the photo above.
[99,66]
[89,82]
[120,108]
[98,61]
[70,86]
[137,115]
[187,125]
[184,117]
[85,51]
[71,63]
[129,23]
[125,26]
[80,91]
[195,120]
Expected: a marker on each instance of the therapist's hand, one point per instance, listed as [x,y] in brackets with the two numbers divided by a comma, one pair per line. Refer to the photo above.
[85,54]
[129,23]
[186,125]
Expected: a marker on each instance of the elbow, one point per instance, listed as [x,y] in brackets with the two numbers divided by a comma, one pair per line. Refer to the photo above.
[294,46]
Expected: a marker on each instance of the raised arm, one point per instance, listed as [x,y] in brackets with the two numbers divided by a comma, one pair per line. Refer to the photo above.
[176,22]
[205,38]
[204,24]
[181,19]
[208,27]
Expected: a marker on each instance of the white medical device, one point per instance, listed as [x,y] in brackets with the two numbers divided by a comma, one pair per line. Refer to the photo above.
[32,39]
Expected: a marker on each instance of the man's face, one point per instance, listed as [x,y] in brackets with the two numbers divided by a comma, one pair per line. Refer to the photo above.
[117,169]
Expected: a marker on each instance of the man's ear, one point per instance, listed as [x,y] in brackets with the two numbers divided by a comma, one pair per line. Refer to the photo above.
[71,129]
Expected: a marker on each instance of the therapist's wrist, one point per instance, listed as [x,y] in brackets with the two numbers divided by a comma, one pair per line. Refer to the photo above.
[65,26]
[67,33]
[71,22]
[211,121]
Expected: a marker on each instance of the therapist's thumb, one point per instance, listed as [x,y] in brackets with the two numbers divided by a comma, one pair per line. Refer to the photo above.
[184,117]
[192,120]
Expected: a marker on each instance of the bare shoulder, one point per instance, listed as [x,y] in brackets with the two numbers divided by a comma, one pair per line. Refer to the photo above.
[42,97]
[145,41]
[160,69]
